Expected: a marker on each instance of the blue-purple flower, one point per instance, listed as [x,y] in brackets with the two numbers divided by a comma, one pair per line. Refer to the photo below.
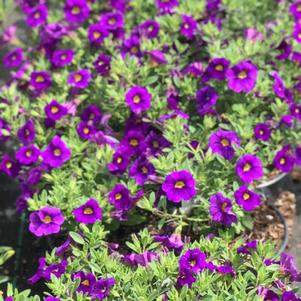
[179,186]
[138,99]
[249,200]
[88,213]
[80,79]
[249,168]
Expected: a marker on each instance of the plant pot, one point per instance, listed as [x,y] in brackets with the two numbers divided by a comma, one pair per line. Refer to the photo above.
[272,187]
[270,224]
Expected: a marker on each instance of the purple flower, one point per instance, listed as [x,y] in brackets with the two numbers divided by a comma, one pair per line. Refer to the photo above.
[27,133]
[120,197]
[140,259]
[141,170]
[192,261]
[298,154]
[194,69]
[46,221]
[34,175]
[179,186]
[131,46]
[9,167]
[62,57]
[56,153]
[37,16]
[172,242]
[85,130]
[102,64]
[295,10]
[157,57]
[249,168]
[221,210]
[283,160]
[45,271]
[138,99]
[87,281]
[92,114]
[262,132]
[279,87]
[101,289]
[112,21]
[290,296]
[88,213]
[285,51]
[13,58]
[97,33]
[206,98]
[53,32]
[154,143]
[297,33]
[253,35]
[188,27]
[221,142]
[28,155]
[55,111]
[119,163]
[288,267]
[166,6]
[185,278]
[79,79]
[76,10]
[295,110]
[133,142]
[247,248]
[149,29]
[242,77]
[217,68]
[40,80]
[249,200]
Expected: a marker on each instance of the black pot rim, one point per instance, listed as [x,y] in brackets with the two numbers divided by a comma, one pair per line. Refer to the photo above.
[285,239]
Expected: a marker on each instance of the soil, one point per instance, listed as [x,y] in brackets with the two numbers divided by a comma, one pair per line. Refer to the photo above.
[267,223]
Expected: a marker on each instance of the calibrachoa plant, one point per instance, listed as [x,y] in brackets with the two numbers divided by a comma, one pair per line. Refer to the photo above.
[157,114]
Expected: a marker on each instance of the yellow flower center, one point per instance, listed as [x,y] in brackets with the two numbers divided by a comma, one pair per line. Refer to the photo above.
[225,142]
[8,165]
[37,15]
[112,21]
[119,160]
[27,133]
[242,75]
[246,196]
[179,184]
[144,169]
[57,152]
[28,153]
[297,110]
[96,34]
[193,262]
[54,109]
[77,77]
[282,161]
[247,167]
[86,131]
[40,79]
[118,196]
[223,206]
[134,142]
[47,219]
[134,50]
[219,67]
[136,99]
[75,10]
[186,26]
[261,132]
[299,8]
[86,282]
[63,56]
[156,144]
[88,211]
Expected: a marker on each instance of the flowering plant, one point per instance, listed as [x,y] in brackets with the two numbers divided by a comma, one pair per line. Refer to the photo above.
[163,114]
